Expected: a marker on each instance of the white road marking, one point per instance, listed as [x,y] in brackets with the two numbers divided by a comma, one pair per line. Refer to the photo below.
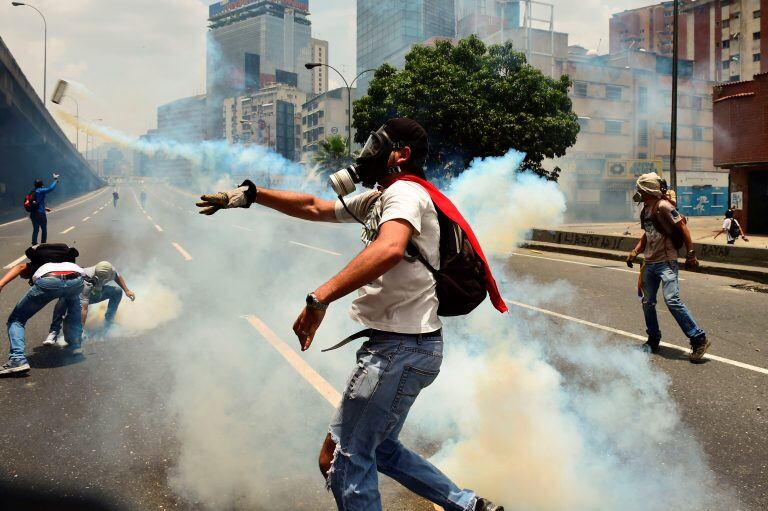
[320,384]
[149,218]
[181,250]
[68,229]
[86,219]
[580,263]
[159,229]
[635,336]
[95,213]
[14,263]
[242,228]
[314,248]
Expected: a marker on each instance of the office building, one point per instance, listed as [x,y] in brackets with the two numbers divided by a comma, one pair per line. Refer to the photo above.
[485,17]
[320,73]
[741,147]
[253,43]
[270,117]
[623,102]
[386,29]
[324,116]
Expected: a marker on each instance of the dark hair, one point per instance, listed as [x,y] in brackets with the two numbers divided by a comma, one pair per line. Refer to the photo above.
[729,213]
[410,133]
[38,183]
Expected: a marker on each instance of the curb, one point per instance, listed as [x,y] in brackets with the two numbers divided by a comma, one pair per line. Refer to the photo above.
[756,275]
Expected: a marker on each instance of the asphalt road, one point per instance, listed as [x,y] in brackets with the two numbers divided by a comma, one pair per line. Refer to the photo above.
[151,417]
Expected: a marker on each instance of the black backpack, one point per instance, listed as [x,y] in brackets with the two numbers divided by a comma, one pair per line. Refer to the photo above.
[461,279]
[734,230]
[49,253]
[30,201]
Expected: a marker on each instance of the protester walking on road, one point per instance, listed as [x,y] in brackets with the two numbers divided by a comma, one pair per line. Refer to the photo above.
[53,275]
[115,196]
[397,303]
[97,287]
[665,233]
[35,204]
[143,198]
[732,229]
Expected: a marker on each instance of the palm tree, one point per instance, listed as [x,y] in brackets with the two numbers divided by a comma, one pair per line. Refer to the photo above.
[332,154]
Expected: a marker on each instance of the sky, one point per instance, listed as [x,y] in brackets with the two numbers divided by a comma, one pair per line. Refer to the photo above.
[134,55]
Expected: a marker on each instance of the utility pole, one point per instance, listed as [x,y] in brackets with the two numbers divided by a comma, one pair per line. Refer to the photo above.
[675,72]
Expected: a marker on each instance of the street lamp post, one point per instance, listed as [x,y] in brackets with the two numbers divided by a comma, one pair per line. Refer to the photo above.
[675,73]
[45,45]
[312,65]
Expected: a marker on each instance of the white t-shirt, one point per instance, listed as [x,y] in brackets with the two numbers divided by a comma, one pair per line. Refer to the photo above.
[49,267]
[727,227]
[404,299]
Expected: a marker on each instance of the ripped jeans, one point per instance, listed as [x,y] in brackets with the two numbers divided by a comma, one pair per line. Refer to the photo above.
[664,273]
[391,371]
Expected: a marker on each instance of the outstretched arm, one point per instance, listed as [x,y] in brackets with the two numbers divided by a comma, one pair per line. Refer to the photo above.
[12,274]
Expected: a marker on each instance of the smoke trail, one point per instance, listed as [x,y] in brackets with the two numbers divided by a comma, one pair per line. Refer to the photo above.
[550,417]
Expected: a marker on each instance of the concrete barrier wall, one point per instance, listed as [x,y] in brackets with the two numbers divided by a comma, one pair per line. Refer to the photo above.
[705,252]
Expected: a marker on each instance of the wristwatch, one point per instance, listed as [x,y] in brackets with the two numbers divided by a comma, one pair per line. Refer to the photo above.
[314,303]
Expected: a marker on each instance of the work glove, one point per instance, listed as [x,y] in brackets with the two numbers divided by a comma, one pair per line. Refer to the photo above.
[241,197]
[691,263]
[631,259]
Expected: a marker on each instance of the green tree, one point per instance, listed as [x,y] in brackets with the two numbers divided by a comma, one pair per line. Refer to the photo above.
[474,101]
[332,154]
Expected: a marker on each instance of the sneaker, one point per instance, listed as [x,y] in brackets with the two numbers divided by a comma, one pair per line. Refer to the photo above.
[699,346]
[487,505]
[75,348]
[51,339]
[652,345]
[14,366]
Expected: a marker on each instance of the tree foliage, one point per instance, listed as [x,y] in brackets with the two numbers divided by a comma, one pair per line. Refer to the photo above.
[474,101]
[332,154]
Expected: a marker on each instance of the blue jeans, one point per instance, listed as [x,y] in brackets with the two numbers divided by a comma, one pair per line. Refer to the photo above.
[108,292]
[39,223]
[391,371]
[43,292]
[665,273]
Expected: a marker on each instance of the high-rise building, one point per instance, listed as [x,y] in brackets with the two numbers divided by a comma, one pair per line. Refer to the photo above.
[485,17]
[387,28]
[270,117]
[253,43]
[324,116]
[320,73]
[724,38]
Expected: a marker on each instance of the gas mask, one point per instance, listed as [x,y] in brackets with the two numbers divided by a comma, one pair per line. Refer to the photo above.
[371,165]
[637,197]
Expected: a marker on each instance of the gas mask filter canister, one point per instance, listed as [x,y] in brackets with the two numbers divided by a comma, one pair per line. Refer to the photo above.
[343,181]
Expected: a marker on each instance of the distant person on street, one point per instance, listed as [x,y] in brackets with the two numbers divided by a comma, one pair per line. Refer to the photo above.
[732,229]
[143,199]
[665,233]
[397,303]
[115,196]
[97,287]
[59,280]
[35,204]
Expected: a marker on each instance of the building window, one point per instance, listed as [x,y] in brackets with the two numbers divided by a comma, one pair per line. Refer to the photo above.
[580,89]
[613,92]
[756,14]
[756,57]
[583,124]
[696,164]
[698,133]
[755,36]
[666,131]
[665,163]
[726,23]
[696,102]
[726,44]
[613,127]
[642,99]
[735,78]
[726,64]
[642,156]
[642,133]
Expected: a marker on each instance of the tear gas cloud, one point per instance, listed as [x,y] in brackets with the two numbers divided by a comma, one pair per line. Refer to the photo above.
[531,413]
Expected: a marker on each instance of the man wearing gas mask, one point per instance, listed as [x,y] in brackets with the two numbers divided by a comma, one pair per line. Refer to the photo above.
[396,302]
[665,233]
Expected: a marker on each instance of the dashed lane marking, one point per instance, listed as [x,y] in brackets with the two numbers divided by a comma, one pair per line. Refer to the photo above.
[149,218]
[320,384]
[630,335]
[14,263]
[86,219]
[580,263]
[159,229]
[314,248]
[68,229]
[181,250]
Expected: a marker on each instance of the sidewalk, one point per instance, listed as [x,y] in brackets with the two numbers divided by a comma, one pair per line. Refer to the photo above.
[615,240]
